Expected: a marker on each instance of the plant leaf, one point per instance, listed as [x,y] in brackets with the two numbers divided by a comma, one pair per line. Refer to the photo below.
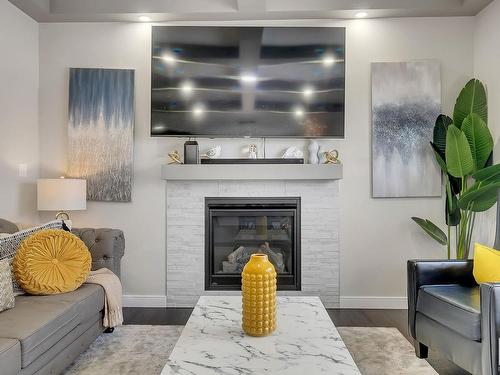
[439,133]
[439,158]
[472,99]
[455,184]
[484,204]
[489,162]
[479,138]
[452,214]
[479,197]
[458,156]
[431,229]
[488,174]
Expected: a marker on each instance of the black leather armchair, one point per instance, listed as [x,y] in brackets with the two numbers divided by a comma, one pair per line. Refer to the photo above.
[450,313]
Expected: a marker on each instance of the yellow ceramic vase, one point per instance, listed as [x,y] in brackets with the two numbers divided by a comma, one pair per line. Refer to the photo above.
[258,281]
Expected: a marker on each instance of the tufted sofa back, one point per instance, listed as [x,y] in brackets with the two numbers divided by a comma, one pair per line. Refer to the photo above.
[107,247]
[7,227]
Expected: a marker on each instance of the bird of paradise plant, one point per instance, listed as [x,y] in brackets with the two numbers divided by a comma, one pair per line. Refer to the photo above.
[463,148]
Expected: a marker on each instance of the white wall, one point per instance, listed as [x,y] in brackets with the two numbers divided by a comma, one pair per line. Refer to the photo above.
[18,113]
[377,235]
[487,60]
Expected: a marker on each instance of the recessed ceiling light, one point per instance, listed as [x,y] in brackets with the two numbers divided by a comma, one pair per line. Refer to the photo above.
[361,15]
[144,19]
[328,60]
[248,78]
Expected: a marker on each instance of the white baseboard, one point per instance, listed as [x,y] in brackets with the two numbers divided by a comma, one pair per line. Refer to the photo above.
[355,302]
[131,300]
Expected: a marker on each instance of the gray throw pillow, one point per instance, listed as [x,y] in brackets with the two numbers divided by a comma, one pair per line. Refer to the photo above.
[6,292]
[10,244]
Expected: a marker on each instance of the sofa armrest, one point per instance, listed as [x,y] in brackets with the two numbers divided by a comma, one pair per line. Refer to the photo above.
[7,226]
[490,327]
[434,272]
[106,246]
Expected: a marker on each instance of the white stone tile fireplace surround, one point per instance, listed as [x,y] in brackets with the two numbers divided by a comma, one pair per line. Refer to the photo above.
[185,242]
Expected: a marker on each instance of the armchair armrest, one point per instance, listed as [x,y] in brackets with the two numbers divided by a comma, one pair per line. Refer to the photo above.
[434,272]
[106,246]
[490,327]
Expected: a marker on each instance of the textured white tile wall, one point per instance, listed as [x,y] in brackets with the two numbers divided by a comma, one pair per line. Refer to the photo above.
[185,243]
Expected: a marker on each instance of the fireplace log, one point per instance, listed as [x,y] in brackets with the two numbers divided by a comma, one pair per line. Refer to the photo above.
[236,254]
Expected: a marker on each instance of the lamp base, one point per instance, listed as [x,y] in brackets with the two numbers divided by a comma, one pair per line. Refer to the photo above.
[62,215]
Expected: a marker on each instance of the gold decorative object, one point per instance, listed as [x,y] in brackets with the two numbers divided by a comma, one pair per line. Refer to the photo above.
[175,158]
[258,281]
[332,157]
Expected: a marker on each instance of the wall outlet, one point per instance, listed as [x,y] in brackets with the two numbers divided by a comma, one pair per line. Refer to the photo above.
[23,170]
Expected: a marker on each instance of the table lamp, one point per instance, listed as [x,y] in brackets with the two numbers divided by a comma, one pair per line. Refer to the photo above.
[61,194]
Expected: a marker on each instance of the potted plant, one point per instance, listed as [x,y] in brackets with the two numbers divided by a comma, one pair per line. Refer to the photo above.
[463,147]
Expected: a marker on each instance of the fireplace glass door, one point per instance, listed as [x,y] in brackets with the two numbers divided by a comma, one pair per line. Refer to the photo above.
[236,228]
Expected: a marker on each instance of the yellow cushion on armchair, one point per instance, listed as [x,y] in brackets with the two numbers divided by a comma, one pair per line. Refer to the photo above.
[51,262]
[486,267]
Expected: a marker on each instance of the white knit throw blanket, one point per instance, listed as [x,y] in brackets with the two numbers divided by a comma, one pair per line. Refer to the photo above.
[113,315]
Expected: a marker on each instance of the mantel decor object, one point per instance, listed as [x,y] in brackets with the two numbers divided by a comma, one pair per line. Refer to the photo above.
[213,153]
[313,152]
[292,152]
[332,157]
[258,285]
[252,161]
[252,153]
[191,152]
[175,158]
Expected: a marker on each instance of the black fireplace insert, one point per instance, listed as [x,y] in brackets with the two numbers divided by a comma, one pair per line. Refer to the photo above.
[236,228]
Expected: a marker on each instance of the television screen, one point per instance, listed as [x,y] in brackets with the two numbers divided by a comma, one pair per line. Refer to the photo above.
[247,81]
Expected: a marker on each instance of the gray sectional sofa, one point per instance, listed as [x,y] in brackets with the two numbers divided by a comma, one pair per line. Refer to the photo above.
[44,334]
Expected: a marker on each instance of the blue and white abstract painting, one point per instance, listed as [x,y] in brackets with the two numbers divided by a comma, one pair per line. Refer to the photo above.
[406,100]
[101,131]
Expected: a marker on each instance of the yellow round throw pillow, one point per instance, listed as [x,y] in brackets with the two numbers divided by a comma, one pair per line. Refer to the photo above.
[51,261]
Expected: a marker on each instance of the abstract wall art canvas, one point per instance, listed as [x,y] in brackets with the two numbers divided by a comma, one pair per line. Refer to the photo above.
[101,131]
[406,100]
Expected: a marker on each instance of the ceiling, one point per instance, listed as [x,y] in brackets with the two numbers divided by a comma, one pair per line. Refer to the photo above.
[227,10]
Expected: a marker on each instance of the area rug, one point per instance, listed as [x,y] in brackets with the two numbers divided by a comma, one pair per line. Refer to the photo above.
[130,349]
[142,349]
[378,350]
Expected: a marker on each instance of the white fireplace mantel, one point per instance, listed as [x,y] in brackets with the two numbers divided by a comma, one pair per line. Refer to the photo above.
[186,172]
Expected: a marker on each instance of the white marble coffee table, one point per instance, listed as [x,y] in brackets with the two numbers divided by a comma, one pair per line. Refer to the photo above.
[305,341]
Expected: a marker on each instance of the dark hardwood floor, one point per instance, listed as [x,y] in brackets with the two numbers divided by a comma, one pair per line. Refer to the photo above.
[156,315]
[340,317]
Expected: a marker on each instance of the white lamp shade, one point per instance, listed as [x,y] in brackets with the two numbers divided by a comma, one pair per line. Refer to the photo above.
[61,194]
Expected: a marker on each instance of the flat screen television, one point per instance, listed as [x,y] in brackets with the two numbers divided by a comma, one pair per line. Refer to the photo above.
[247,81]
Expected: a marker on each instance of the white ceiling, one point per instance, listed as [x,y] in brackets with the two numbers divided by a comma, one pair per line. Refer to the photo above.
[226,10]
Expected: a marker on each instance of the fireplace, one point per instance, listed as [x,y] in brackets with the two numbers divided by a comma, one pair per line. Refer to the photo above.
[235,228]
